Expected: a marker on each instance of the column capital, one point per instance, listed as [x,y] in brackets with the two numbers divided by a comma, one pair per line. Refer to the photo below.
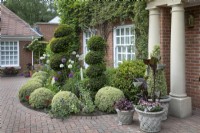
[177,8]
[154,11]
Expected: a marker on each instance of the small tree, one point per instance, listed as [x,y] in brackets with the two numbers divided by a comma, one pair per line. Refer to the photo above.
[95,60]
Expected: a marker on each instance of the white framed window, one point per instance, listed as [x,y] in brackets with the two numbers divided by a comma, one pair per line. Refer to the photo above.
[9,53]
[124,44]
[86,36]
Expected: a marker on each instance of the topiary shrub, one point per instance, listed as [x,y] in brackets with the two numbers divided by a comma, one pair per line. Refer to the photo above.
[59,44]
[63,30]
[41,98]
[96,43]
[64,103]
[106,97]
[40,73]
[95,60]
[56,60]
[124,76]
[95,70]
[27,89]
[94,57]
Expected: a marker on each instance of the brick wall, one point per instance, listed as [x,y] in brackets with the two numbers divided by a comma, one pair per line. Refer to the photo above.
[192,36]
[25,56]
[192,43]
[109,48]
[165,33]
[47,30]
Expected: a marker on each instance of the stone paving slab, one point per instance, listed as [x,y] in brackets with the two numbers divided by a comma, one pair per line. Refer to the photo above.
[16,118]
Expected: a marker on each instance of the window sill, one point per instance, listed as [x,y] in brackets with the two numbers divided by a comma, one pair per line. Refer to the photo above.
[16,67]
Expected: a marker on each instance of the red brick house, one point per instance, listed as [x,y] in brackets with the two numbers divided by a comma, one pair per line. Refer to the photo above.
[175,25]
[15,34]
[120,42]
[46,29]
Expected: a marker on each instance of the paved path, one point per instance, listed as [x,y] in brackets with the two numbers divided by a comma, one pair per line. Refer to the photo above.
[15,118]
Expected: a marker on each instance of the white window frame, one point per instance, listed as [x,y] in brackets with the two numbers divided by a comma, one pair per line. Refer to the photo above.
[85,49]
[18,53]
[115,54]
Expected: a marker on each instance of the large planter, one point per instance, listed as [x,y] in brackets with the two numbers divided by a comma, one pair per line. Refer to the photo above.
[125,117]
[150,121]
[165,104]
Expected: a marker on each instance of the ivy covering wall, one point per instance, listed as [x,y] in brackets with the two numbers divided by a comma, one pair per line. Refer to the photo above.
[102,15]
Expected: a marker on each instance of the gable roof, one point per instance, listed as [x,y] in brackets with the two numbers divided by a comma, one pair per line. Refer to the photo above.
[55,20]
[14,26]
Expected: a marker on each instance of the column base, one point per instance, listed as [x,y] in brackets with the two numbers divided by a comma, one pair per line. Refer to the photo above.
[180,107]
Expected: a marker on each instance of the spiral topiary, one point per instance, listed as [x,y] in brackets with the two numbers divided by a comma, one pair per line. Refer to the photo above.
[95,70]
[41,98]
[58,45]
[96,43]
[106,97]
[95,60]
[27,89]
[94,57]
[64,103]
[63,30]
[56,60]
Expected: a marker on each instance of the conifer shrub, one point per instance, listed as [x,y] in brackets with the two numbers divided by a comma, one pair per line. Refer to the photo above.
[95,60]
[64,103]
[27,89]
[124,77]
[63,30]
[41,98]
[58,45]
[106,97]
[56,60]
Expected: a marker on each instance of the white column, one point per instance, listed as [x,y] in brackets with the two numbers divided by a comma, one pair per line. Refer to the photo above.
[180,104]
[177,67]
[154,29]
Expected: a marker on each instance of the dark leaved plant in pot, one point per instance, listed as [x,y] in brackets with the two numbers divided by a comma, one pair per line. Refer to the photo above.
[160,82]
[150,111]
[125,111]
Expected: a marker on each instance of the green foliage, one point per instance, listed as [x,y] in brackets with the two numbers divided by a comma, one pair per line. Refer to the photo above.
[64,103]
[56,60]
[58,45]
[95,70]
[110,74]
[94,57]
[41,98]
[63,30]
[27,89]
[141,22]
[106,97]
[32,11]
[40,73]
[124,76]
[160,80]
[86,101]
[96,43]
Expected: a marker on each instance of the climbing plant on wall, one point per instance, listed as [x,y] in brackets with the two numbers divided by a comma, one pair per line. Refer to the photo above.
[102,15]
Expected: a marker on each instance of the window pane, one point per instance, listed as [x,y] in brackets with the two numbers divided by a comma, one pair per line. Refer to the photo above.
[2,53]
[2,48]
[119,57]
[7,53]
[119,49]
[11,48]
[129,57]
[127,40]
[127,31]
[122,40]
[2,57]
[124,49]
[11,62]
[7,62]
[118,40]
[15,53]
[2,62]
[7,57]
[118,32]
[129,49]
[15,48]
[15,57]
[15,62]
[122,31]
[11,58]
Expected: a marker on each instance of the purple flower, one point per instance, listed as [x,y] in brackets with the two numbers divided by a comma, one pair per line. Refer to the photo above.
[55,78]
[63,60]
[59,72]
[70,75]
